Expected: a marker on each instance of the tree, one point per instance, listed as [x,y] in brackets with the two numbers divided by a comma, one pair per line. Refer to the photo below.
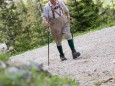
[11,22]
[86,14]
[21,25]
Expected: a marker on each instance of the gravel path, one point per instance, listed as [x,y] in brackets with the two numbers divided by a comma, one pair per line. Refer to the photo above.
[95,65]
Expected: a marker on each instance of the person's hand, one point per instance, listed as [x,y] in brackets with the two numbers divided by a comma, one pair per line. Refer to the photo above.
[46,23]
[70,20]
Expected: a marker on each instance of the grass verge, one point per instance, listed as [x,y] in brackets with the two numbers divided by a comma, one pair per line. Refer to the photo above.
[95,29]
[4,57]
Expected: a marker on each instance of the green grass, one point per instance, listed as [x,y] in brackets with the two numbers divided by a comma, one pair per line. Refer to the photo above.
[95,29]
[4,57]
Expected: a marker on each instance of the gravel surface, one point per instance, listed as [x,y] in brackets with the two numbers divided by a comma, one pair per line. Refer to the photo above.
[96,65]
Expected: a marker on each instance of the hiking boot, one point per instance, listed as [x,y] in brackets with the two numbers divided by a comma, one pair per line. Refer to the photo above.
[75,54]
[63,57]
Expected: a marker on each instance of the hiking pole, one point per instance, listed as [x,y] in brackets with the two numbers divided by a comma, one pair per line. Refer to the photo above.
[41,9]
[48,45]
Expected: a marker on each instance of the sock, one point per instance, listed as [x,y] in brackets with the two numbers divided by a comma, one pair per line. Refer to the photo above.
[71,45]
[60,50]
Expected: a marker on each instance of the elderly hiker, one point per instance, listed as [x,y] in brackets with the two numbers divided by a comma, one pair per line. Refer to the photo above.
[56,16]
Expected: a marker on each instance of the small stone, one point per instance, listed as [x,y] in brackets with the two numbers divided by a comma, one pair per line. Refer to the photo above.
[113,61]
[12,70]
[95,70]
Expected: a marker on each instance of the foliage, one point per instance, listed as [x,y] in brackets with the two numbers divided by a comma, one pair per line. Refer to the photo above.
[33,78]
[4,57]
[87,14]
[22,25]
[11,22]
